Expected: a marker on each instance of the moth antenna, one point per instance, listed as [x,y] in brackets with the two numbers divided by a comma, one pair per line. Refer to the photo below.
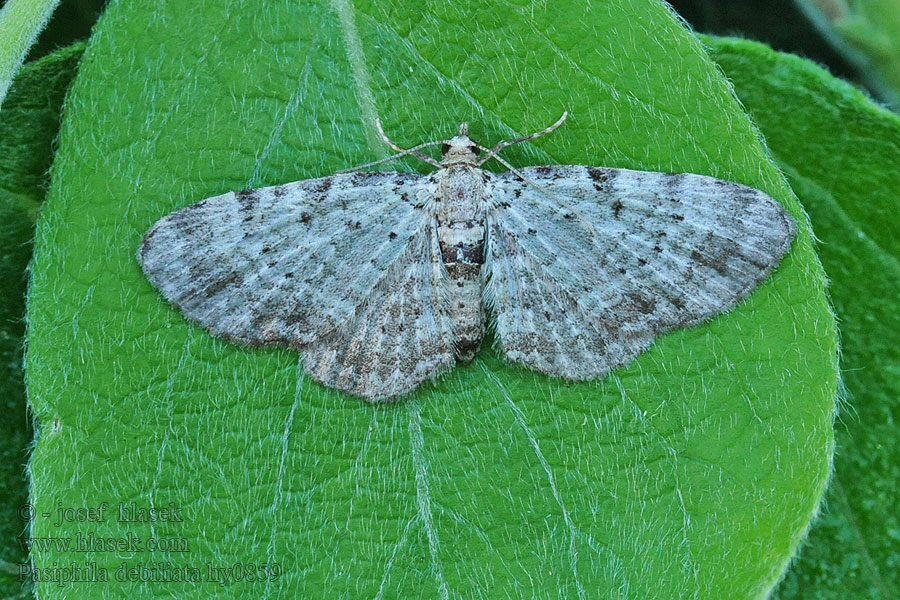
[400,152]
[411,151]
[414,151]
[500,146]
[384,136]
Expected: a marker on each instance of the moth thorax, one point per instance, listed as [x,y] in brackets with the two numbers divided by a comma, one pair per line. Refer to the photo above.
[460,149]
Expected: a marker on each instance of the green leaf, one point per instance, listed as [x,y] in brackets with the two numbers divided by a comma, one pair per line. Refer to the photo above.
[29,123]
[841,154]
[694,472]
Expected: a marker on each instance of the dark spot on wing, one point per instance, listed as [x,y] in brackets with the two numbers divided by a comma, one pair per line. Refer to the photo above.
[364,177]
[716,263]
[603,179]
[643,305]
[323,185]
[289,274]
[195,205]
[617,207]
[266,249]
[180,219]
[544,170]
[278,191]
[642,262]
[147,241]
[747,197]
[599,175]
[672,180]
[678,218]
[392,235]
[517,192]
[305,218]
[295,316]
[198,271]
[233,279]
[531,230]
[247,199]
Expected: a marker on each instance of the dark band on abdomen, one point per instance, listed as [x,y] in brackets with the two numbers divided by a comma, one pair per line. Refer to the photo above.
[471,254]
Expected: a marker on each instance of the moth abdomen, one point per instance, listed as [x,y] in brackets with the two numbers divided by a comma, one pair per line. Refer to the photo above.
[462,254]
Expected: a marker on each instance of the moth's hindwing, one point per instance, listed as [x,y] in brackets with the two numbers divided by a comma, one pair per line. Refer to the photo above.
[587,270]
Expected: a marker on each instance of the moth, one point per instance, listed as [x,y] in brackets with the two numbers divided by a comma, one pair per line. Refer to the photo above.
[384,280]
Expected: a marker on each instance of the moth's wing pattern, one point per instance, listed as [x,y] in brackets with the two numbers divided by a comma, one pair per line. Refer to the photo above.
[401,336]
[581,279]
[286,264]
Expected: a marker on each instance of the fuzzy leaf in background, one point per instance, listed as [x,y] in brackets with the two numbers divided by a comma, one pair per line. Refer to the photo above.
[841,154]
[20,23]
[866,32]
[29,123]
[694,472]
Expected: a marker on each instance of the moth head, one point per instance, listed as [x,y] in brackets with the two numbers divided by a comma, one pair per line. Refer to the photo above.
[460,148]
